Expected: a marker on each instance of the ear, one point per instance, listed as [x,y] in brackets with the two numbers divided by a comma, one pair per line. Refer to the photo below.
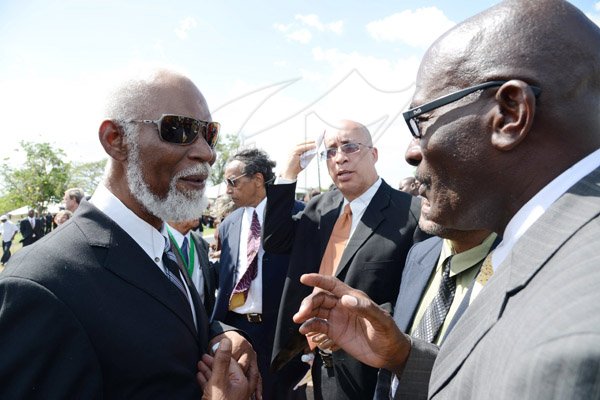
[112,139]
[514,116]
[260,179]
[375,154]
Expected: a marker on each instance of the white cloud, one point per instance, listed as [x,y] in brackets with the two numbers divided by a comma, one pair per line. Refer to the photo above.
[301,36]
[300,31]
[415,28]
[185,25]
[597,6]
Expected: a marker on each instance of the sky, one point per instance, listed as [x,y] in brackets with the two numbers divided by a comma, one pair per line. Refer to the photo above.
[274,73]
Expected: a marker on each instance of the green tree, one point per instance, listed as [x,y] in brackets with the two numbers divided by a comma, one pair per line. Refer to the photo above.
[87,175]
[42,179]
[226,147]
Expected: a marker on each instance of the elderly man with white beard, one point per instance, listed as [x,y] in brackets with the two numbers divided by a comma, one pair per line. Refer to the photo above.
[100,309]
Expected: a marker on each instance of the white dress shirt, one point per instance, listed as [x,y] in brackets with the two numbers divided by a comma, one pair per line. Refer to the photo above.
[145,235]
[197,276]
[8,229]
[538,204]
[253,302]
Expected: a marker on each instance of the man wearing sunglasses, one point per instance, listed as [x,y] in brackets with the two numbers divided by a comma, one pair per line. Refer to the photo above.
[519,156]
[370,258]
[250,279]
[115,316]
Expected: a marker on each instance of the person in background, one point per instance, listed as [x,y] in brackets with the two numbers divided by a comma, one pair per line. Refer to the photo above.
[250,279]
[409,185]
[62,216]
[72,198]
[360,231]
[31,228]
[8,231]
[192,254]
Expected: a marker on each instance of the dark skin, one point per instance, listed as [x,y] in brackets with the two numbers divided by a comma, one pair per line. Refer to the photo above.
[172,94]
[482,158]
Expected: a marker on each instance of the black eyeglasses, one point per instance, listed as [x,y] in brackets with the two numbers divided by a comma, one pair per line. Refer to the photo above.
[411,116]
[231,181]
[346,148]
[183,130]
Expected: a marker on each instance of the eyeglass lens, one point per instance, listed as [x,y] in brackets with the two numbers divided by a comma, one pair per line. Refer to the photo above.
[346,148]
[184,130]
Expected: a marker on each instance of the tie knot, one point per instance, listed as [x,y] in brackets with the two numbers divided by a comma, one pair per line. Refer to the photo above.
[184,245]
[347,209]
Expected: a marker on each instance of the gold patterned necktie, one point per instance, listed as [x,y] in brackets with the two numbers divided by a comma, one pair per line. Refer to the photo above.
[486,271]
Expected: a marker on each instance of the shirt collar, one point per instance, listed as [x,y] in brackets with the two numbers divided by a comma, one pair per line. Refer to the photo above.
[178,236]
[145,235]
[538,204]
[260,209]
[359,204]
[467,259]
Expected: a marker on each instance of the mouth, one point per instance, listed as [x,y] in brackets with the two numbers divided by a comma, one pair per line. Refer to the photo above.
[344,175]
[197,182]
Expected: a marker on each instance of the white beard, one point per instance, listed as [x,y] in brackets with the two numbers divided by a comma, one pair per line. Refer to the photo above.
[177,206]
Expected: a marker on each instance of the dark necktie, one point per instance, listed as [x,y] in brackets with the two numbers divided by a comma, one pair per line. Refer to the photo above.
[172,268]
[240,292]
[185,251]
[436,312]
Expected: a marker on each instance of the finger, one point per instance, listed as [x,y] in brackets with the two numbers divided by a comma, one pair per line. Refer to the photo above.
[326,344]
[258,392]
[220,366]
[254,379]
[328,283]
[314,325]
[317,305]
[245,362]
[203,374]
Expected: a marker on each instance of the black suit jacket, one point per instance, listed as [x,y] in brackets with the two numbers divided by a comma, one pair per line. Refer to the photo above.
[372,262]
[86,313]
[31,234]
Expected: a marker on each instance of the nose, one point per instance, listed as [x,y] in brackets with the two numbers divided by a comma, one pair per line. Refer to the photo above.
[200,150]
[413,154]
[340,157]
[229,190]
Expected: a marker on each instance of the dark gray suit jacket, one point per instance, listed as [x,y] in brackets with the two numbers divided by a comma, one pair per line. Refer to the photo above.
[534,330]
[372,262]
[85,313]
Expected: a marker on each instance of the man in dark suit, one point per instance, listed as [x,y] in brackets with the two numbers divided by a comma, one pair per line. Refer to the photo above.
[192,254]
[507,138]
[117,317]
[31,228]
[382,226]
[246,175]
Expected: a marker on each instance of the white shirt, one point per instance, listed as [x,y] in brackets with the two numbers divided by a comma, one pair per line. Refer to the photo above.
[197,276]
[360,204]
[145,235]
[8,229]
[253,302]
[538,204]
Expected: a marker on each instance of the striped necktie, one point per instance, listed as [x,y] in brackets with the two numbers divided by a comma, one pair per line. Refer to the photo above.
[172,268]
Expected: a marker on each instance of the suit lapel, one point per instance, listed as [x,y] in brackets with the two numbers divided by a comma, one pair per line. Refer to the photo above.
[126,259]
[415,279]
[369,222]
[568,214]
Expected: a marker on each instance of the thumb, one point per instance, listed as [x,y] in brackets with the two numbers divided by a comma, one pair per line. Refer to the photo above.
[220,367]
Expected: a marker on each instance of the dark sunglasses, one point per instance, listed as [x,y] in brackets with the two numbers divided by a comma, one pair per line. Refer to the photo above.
[346,148]
[411,116]
[183,130]
[231,181]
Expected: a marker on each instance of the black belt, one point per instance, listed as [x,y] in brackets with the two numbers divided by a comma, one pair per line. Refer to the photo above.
[327,359]
[254,318]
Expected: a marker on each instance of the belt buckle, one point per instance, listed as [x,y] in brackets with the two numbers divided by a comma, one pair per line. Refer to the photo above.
[254,317]
[327,359]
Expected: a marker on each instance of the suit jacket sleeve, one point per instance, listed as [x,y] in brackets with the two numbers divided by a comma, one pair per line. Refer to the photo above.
[414,380]
[279,225]
[45,350]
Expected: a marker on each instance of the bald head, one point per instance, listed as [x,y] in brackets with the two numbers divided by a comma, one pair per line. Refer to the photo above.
[481,157]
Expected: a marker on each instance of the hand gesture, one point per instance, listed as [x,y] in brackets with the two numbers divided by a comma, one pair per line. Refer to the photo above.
[353,322]
[293,167]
